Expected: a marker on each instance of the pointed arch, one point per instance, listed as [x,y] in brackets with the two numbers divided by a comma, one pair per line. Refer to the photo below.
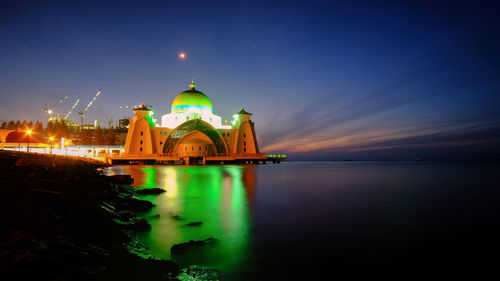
[194,125]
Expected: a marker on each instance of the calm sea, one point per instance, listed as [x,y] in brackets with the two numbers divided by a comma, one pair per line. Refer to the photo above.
[313,220]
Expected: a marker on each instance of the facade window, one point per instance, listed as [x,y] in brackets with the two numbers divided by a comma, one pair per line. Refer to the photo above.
[228,134]
[244,135]
[199,148]
[185,148]
[141,141]
[187,117]
[223,134]
[245,149]
[244,143]
[142,133]
[161,143]
[192,147]
[140,149]
[206,148]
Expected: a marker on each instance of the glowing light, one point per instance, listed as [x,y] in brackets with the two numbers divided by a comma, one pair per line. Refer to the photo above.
[151,120]
[182,56]
[28,132]
[51,138]
[236,118]
[49,112]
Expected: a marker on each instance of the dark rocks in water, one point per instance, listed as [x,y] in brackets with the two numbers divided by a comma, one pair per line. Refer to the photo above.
[121,179]
[176,217]
[134,224]
[64,221]
[135,204]
[140,225]
[195,272]
[126,215]
[192,244]
[150,191]
[155,216]
[196,223]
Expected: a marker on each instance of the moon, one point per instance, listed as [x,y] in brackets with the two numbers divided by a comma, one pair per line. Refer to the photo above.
[182,55]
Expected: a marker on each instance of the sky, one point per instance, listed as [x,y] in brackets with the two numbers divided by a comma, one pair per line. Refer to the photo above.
[325,80]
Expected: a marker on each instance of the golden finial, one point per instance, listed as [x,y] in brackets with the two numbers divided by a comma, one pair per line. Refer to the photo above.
[192,86]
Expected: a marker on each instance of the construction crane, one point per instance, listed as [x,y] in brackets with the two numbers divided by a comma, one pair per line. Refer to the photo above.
[82,113]
[72,108]
[50,109]
[110,120]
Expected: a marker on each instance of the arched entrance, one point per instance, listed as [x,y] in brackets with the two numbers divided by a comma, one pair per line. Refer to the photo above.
[194,132]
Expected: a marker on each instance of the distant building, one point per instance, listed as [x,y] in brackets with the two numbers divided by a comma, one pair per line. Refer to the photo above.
[123,123]
[67,122]
[191,131]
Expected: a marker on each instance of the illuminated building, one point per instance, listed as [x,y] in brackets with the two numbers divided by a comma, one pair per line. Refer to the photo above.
[191,132]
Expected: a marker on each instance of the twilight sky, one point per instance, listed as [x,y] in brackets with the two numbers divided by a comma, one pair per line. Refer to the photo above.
[384,80]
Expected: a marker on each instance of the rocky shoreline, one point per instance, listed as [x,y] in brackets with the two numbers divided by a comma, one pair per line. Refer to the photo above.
[63,220]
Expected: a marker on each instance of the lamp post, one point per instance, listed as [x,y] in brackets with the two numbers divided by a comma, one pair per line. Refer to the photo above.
[29,134]
[51,143]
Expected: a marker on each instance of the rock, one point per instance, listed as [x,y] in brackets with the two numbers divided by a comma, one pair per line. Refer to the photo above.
[195,272]
[176,217]
[196,223]
[126,215]
[138,205]
[150,191]
[140,224]
[122,179]
[192,244]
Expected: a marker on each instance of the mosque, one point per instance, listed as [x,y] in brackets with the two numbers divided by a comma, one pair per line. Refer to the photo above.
[189,134]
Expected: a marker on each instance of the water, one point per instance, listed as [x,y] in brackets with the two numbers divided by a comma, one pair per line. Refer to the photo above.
[325,220]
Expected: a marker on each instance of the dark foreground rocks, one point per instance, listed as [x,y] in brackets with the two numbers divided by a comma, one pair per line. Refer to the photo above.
[150,191]
[189,246]
[196,223]
[62,220]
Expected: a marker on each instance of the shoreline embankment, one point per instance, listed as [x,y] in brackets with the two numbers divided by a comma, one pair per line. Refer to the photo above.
[63,220]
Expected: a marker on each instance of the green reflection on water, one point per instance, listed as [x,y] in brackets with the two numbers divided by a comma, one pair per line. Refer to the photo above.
[217,196]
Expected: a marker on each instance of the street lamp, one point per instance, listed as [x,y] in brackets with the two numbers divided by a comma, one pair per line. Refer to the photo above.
[29,134]
[51,143]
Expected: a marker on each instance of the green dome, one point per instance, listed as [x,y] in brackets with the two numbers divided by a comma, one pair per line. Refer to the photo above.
[191,99]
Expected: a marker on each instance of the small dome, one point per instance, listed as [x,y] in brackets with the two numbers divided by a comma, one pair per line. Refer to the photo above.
[191,99]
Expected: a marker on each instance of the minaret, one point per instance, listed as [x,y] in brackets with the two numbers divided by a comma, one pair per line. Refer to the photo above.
[247,140]
[139,139]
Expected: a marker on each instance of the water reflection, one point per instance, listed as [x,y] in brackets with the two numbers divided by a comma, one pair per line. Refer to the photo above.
[218,196]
